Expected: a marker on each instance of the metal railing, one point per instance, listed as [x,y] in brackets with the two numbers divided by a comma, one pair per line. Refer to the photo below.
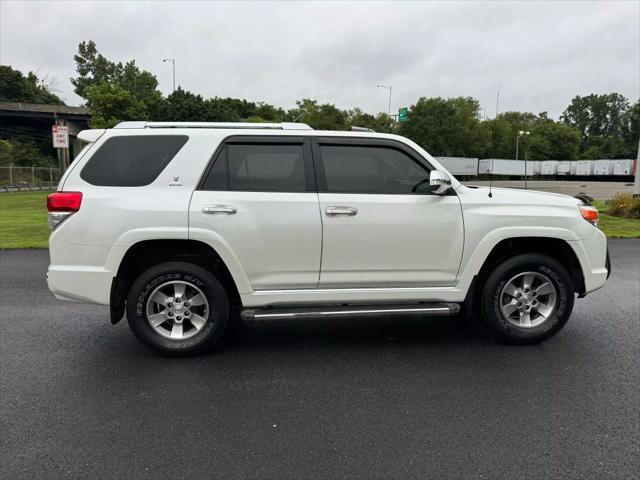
[28,178]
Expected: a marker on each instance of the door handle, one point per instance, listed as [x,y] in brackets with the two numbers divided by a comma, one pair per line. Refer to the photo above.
[213,209]
[350,211]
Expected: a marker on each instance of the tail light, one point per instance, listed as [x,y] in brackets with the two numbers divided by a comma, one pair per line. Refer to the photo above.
[589,213]
[61,205]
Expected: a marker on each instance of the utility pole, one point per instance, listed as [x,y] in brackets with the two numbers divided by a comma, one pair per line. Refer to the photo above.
[173,66]
[59,153]
[636,183]
[497,102]
[390,90]
[520,133]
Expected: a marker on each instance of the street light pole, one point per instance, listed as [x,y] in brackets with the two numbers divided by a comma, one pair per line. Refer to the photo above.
[520,133]
[390,90]
[636,183]
[173,65]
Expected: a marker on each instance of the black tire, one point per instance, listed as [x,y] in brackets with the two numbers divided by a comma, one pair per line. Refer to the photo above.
[217,317]
[491,299]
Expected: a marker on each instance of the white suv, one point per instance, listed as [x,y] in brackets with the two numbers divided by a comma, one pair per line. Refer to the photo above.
[188,226]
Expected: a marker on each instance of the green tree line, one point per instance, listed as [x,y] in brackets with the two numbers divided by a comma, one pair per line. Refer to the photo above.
[592,126]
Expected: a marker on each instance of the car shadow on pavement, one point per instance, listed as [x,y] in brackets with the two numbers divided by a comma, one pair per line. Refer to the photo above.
[362,333]
[315,336]
[320,337]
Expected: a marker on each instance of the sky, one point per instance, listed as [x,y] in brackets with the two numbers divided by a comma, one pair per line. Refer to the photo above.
[537,54]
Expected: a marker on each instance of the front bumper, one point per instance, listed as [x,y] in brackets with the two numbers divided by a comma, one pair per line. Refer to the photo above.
[593,256]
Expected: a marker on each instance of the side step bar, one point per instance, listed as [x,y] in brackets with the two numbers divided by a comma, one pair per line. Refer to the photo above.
[350,311]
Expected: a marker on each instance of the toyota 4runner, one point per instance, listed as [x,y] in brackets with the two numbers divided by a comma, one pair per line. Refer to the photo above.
[187,227]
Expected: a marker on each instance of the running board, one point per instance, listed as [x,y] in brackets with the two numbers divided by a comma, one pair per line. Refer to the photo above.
[350,311]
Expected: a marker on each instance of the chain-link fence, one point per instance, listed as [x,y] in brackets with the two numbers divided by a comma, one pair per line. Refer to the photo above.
[28,178]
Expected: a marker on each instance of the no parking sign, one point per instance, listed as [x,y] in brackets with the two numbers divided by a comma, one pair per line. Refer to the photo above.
[60,136]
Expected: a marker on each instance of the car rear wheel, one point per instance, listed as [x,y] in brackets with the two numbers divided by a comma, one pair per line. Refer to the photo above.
[178,308]
[527,298]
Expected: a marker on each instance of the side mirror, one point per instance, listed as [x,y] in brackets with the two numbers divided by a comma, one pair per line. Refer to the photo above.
[440,182]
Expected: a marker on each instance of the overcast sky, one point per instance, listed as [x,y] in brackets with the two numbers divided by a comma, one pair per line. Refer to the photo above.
[538,54]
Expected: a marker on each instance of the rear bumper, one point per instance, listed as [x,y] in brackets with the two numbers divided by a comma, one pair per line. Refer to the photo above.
[80,284]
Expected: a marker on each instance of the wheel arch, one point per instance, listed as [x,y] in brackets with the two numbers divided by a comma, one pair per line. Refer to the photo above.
[146,253]
[556,248]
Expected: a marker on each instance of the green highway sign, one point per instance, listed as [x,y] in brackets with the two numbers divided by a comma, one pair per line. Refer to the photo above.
[403,114]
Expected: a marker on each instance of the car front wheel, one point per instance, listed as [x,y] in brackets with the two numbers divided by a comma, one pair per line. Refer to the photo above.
[527,298]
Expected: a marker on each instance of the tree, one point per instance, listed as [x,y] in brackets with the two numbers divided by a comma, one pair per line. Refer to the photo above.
[95,71]
[23,152]
[269,113]
[92,68]
[110,104]
[504,131]
[379,123]
[600,119]
[447,127]
[184,106]
[551,140]
[500,134]
[15,87]
[320,117]
[229,109]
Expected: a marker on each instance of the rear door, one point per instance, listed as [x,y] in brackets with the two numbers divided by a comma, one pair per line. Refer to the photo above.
[259,195]
[381,225]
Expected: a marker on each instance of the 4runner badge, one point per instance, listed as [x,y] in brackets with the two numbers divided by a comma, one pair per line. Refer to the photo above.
[176,182]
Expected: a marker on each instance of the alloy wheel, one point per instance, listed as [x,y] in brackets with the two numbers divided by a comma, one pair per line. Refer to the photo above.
[177,310]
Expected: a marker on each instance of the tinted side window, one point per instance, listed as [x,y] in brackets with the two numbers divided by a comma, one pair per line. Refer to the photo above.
[363,169]
[266,167]
[131,161]
[218,177]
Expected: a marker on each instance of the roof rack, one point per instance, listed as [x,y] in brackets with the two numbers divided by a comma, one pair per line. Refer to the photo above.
[229,125]
[361,129]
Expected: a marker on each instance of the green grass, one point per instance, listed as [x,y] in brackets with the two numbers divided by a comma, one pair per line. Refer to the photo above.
[617,227]
[23,221]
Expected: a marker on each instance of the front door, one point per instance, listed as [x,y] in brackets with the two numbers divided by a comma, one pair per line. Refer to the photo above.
[381,225]
[259,199]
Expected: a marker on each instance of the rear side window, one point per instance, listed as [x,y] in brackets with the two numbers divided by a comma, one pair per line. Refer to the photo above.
[218,178]
[131,161]
[258,168]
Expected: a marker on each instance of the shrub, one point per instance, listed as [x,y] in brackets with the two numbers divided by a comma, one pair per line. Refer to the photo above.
[624,205]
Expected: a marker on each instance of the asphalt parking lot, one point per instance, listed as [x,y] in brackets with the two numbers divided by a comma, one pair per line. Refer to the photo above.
[408,398]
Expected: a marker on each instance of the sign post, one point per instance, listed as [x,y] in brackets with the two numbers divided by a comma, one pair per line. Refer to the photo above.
[60,134]
[403,114]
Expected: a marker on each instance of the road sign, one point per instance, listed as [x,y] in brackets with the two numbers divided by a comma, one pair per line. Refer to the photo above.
[60,136]
[403,114]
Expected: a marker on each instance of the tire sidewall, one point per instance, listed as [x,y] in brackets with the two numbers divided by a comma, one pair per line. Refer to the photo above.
[211,287]
[491,304]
